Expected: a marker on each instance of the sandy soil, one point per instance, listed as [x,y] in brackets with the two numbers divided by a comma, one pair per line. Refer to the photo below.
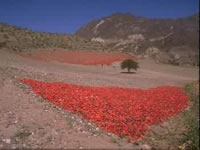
[27,121]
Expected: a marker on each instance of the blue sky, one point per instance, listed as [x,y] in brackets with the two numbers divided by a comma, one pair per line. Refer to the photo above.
[66,16]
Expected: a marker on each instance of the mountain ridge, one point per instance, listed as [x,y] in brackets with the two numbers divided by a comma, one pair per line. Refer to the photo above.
[171,41]
[158,38]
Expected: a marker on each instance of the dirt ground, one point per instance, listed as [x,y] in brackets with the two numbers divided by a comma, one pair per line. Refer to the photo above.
[76,57]
[28,121]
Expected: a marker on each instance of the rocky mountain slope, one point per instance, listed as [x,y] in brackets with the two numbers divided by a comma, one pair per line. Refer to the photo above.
[22,39]
[174,41]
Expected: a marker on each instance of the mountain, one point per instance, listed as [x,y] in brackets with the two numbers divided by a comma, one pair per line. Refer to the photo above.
[22,39]
[174,41]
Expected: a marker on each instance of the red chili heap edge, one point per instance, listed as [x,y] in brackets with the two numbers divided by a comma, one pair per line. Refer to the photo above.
[122,111]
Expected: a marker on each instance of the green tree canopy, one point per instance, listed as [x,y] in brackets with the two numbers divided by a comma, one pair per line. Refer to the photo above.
[129,64]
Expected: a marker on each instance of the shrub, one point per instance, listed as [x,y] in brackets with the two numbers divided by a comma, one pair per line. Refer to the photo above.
[192,119]
[2,44]
[129,64]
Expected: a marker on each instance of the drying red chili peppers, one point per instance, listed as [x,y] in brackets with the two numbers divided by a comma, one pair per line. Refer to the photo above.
[122,111]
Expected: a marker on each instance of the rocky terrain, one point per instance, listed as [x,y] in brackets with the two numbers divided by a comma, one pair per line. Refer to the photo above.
[173,41]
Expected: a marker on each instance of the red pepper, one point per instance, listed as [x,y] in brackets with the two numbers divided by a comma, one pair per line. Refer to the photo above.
[122,111]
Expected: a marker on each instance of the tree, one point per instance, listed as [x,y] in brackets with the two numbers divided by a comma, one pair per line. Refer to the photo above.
[129,64]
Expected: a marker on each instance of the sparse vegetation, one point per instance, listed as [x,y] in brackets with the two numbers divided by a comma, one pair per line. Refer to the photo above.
[2,44]
[129,64]
[23,134]
[19,39]
[119,35]
[191,138]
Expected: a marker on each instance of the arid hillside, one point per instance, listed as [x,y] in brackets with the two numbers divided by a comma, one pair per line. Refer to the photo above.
[170,41]
[21,39]
[174,41]
[119,82]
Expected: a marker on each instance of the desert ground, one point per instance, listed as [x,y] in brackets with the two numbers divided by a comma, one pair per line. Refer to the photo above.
[28,121]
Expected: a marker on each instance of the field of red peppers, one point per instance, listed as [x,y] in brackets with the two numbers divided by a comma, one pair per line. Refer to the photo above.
[122,111]
[77,57]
